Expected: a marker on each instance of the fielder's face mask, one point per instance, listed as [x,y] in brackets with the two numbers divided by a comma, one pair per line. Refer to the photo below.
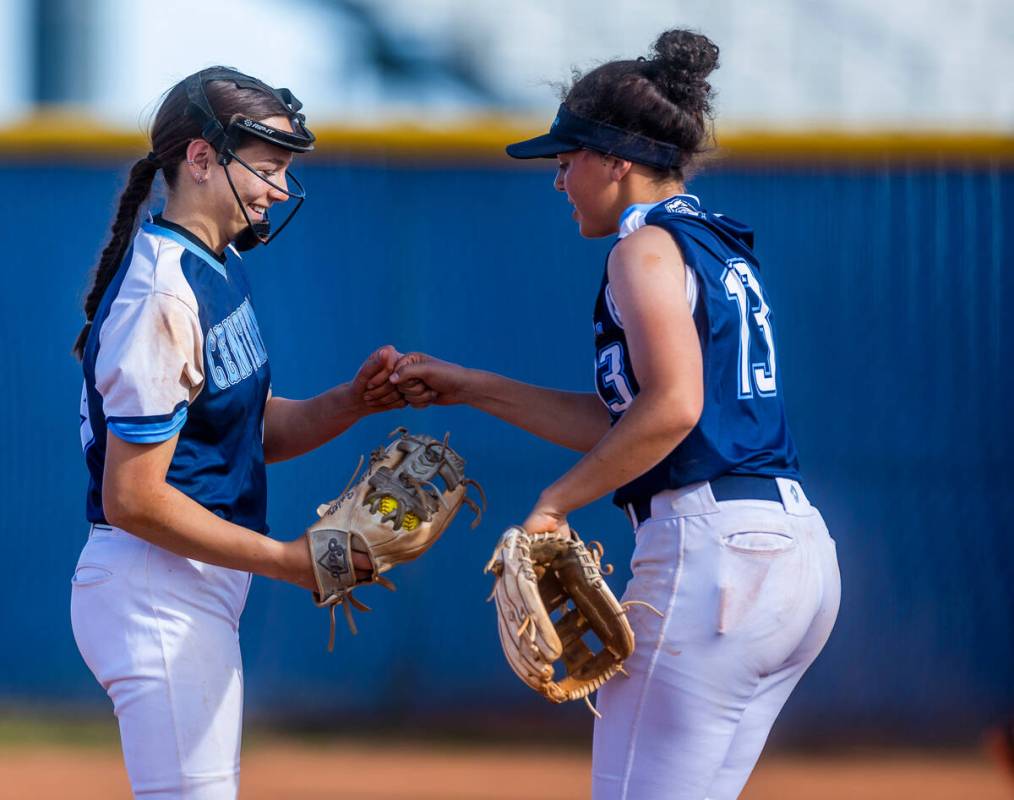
[570,132]
[226,139]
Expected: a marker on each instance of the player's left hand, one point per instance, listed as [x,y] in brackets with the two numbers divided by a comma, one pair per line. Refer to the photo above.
[392,514]
[372,383]
[297,567]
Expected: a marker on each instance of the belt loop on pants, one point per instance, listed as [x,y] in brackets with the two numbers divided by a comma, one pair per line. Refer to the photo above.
[724,488]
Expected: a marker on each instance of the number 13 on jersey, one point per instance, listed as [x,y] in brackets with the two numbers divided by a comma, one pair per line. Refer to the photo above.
[756,342]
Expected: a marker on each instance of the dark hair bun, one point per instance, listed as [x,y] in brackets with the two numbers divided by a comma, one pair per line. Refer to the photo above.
[683,60]
[666,97]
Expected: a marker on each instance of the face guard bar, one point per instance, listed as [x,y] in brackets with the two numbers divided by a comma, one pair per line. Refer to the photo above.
[225,139]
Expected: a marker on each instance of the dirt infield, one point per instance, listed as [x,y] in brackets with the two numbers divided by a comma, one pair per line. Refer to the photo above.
[275,771]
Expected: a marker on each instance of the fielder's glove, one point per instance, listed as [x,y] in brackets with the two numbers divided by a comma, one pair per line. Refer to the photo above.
[539,574]
[393,514]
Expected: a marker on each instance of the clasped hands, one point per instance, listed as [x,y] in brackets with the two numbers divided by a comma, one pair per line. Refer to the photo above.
[389,380]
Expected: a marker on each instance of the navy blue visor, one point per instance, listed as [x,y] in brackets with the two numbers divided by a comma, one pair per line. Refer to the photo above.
[572,132]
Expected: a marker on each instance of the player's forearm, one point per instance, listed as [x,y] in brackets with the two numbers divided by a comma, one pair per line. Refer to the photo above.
[650,429]
[294,427]
[164,516]
[576,420]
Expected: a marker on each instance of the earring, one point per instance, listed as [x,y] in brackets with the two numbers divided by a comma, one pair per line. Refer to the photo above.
[197,176]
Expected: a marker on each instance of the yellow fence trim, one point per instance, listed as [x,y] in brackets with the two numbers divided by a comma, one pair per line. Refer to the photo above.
[66,134]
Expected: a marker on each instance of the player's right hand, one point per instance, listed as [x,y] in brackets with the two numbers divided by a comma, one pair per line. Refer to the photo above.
[371,383]
[424,380]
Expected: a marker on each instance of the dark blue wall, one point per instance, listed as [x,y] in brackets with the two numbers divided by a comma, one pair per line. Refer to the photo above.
[892,291]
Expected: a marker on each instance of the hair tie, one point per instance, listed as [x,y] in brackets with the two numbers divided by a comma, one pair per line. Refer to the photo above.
[153,159]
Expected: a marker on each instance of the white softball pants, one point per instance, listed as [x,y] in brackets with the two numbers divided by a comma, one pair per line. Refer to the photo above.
[749,592]
[160,634]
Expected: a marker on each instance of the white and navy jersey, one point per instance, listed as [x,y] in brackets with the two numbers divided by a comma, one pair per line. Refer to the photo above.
[175,348]
[742,429]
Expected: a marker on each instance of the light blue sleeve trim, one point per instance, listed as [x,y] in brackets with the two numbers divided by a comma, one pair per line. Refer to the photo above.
[158,230]
[149,432]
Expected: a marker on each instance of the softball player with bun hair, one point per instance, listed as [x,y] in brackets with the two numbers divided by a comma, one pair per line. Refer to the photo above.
[689,431]
[177,422]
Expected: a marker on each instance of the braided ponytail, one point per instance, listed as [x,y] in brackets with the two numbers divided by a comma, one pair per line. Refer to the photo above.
[142,175]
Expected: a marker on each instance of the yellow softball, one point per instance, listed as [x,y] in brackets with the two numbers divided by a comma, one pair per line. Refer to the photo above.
[389,504]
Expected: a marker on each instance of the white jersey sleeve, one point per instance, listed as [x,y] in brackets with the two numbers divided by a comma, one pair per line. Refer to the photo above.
[150,365]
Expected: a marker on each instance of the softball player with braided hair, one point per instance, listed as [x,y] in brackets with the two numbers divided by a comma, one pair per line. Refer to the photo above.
[689,431]
[177,422]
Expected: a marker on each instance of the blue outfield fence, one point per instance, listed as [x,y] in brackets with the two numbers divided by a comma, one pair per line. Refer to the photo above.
[891,289]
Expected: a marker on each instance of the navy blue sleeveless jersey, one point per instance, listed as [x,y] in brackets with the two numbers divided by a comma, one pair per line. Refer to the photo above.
[742,429]
[175,348]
